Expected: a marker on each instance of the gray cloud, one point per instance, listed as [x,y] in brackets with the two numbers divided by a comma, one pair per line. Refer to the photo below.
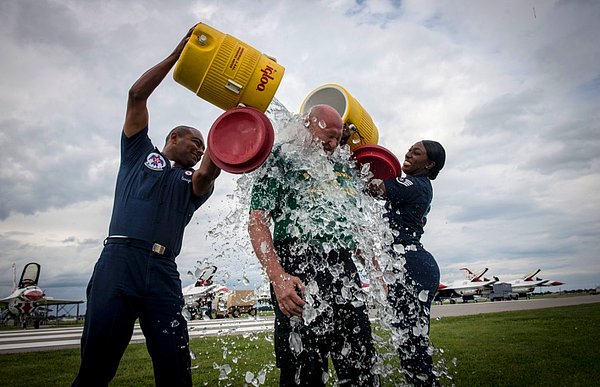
[513,97]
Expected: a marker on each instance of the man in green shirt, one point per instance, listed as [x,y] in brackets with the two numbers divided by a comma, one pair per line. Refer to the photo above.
[315,286]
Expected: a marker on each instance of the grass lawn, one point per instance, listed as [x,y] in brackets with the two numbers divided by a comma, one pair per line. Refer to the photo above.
[556,346]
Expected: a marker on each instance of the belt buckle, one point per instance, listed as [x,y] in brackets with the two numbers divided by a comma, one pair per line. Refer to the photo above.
[158,249]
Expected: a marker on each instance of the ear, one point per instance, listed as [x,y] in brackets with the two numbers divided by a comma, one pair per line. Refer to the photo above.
[430,165]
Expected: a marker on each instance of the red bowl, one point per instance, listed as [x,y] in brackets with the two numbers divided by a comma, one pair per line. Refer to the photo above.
[240,140]
[383,163]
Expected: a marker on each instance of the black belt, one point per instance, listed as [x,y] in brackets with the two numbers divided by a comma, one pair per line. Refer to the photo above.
[150,246]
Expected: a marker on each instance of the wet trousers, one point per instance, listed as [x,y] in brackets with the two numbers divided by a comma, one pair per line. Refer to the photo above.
[130,283]
[412,315]
[340,329]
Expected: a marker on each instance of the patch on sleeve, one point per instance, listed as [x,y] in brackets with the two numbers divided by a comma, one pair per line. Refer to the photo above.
[405,182]
[155,161]
[187,176]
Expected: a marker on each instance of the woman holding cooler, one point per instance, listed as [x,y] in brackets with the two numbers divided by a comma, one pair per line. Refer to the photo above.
[408,201]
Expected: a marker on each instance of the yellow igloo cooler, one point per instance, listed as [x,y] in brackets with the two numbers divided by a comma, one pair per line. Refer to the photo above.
[355,117]
[226,71]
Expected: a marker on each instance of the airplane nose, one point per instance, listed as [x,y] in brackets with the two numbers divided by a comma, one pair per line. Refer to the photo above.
[33,294]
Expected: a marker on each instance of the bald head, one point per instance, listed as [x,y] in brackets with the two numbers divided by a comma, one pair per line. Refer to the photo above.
[325,123]
[327,114]
[181,131]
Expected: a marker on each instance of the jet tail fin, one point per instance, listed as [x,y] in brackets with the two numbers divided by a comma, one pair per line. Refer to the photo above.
[529,277]
[474,277]
[468,272]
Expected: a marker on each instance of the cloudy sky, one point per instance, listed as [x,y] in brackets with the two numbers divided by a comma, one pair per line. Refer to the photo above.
[510,88]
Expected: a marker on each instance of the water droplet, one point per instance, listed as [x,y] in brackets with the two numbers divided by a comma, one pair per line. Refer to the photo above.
[186,314]
[309,313]
[423,295]
[296,343]
[262,376]
[264,247]
[389,277]
[224,371]
[346,349]
[399,248]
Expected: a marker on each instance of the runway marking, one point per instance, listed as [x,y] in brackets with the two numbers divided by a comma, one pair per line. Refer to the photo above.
[69,337]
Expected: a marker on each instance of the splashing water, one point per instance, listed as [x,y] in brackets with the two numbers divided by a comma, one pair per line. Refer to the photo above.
[335,216]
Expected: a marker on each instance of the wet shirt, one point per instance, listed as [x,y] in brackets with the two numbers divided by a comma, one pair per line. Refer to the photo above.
[153,201]
[306,205]
[408,203]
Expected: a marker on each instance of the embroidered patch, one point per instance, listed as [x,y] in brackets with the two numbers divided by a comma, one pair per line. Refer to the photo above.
[155,161]
[404,182]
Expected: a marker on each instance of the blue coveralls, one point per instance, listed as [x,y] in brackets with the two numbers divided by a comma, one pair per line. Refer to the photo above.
[153,204]
[408,203]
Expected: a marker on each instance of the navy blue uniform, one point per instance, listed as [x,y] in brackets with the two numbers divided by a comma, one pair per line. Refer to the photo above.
[153,204]
[408,203]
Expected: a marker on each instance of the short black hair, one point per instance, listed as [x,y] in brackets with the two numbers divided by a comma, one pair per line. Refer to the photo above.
[437,154]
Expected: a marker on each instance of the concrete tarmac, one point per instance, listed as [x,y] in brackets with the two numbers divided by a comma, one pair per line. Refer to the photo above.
[464,309]
[69,337]
[43,339]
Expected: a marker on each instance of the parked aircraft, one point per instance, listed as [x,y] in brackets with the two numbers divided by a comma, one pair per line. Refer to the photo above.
[474,285]
[200,295]
[27,297]
[522,286]
[526,285]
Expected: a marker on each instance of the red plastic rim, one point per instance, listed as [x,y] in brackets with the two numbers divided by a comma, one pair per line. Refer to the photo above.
[240,140]
[384,164]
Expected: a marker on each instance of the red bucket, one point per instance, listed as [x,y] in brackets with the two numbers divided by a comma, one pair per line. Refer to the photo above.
[383,163]
[240,140]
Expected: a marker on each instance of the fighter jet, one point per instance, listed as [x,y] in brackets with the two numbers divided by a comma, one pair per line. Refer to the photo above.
[526,285]
[27,297]
[200,295]
[474,285]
